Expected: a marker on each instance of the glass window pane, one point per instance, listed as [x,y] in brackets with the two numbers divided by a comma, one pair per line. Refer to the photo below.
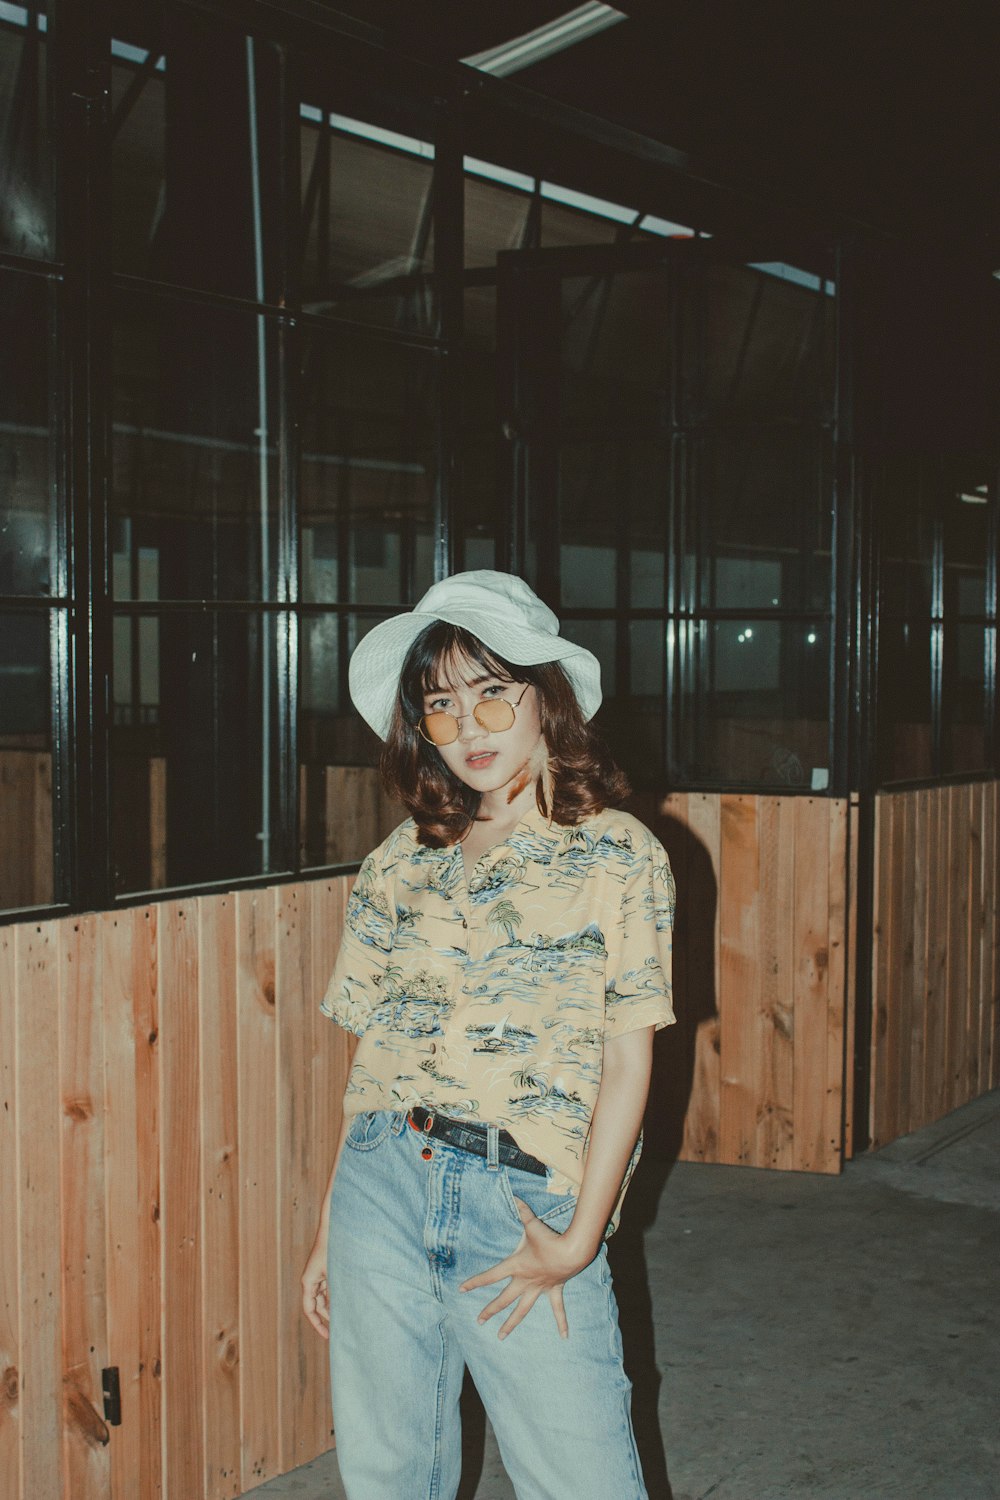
[763,344]
[612,495]
[26,204]
[635,730]
[904,700]
[755,704]
[615,354]
[562,225]
[26,491]
[966,546]
[963,734]
[599,637]
[367,223]
[759,517]
[496,218]
[482,498]
[343,810]
[906,502]
[195,128]
[195,774]
[26,863]
[195,478]
[368,469]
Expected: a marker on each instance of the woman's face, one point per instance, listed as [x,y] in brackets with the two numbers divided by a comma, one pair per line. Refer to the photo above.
[487,762]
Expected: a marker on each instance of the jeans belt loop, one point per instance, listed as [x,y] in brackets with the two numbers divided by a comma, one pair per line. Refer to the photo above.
[492,1148]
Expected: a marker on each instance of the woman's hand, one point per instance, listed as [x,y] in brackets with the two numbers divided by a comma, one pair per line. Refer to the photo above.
[543,1262]
[315,1293]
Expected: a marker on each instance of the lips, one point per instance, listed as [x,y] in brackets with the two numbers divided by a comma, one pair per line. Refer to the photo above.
[480,759]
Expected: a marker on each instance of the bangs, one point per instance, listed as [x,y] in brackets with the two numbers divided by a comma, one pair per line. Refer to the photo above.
[439,654]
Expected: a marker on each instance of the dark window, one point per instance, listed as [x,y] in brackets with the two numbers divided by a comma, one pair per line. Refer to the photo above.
[27,211]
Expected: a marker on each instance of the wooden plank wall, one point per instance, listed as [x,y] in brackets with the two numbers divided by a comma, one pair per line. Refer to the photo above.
[170,1102]
[936,957]
[755,1068]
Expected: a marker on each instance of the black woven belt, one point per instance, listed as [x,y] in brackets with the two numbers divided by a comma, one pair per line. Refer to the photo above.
[469,1137]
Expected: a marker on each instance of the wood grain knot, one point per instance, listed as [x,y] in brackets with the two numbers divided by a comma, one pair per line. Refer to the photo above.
[229,1355]
[80,1107]
[10,1386]
[82,1418]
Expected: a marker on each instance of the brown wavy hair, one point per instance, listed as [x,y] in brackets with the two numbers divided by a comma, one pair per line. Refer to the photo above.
[583,776]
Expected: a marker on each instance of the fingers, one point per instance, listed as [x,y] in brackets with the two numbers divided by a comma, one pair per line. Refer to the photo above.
[487,1278]
[316,1306]
[559,1309]
[524,1211]
[525,1303]
[501,1300]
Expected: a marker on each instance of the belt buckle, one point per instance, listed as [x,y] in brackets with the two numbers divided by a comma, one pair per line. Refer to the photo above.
[423,1129]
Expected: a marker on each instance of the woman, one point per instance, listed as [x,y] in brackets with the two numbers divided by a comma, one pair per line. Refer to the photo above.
[505,962]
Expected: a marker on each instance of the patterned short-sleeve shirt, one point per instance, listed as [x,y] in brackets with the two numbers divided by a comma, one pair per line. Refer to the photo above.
[490,999]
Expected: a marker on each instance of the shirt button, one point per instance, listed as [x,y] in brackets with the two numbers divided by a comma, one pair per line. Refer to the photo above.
[434,1047]
[464,922]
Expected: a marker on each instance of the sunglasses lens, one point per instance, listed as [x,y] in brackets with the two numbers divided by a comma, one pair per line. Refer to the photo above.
[440,728]
[495,715]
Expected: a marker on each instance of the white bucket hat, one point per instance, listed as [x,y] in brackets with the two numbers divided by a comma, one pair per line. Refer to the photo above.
[500,610]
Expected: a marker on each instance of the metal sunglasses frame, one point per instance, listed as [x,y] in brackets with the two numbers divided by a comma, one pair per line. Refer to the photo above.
[475,714]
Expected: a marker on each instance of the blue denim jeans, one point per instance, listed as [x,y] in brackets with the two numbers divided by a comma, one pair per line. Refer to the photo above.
[405,1232]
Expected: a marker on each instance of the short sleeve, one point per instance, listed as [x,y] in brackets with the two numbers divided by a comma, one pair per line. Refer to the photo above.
[354,986]
[639,989]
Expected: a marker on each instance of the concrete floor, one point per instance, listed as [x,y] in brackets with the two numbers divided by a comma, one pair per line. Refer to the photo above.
[794,1335]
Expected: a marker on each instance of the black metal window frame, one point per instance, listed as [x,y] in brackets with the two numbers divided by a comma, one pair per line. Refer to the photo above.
[940,620]
[81,606]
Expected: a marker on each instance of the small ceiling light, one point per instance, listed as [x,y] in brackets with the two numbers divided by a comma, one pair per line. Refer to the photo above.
[979,496]
[811,638]
[555,36]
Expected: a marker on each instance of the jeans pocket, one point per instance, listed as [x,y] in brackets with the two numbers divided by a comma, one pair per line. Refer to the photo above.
[554,1209]
[368,1129]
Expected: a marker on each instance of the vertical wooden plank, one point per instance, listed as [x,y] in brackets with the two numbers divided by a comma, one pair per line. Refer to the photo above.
[894,1125]
[850,996]
[261,1457]
[703,923]
[810,921]
[837,1058]
[810,939]
[905,1002]
[974,962]
[180,1163]
[220,1179]
[881,965]
[38,1186]
[921,918]
[303,1355]
[937,955]
[958,942]
[326,902]
[775,1047]
[130,1001]
[10,1342]
[990,1046]
[86,1458]
[333,1050]
[739,978]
